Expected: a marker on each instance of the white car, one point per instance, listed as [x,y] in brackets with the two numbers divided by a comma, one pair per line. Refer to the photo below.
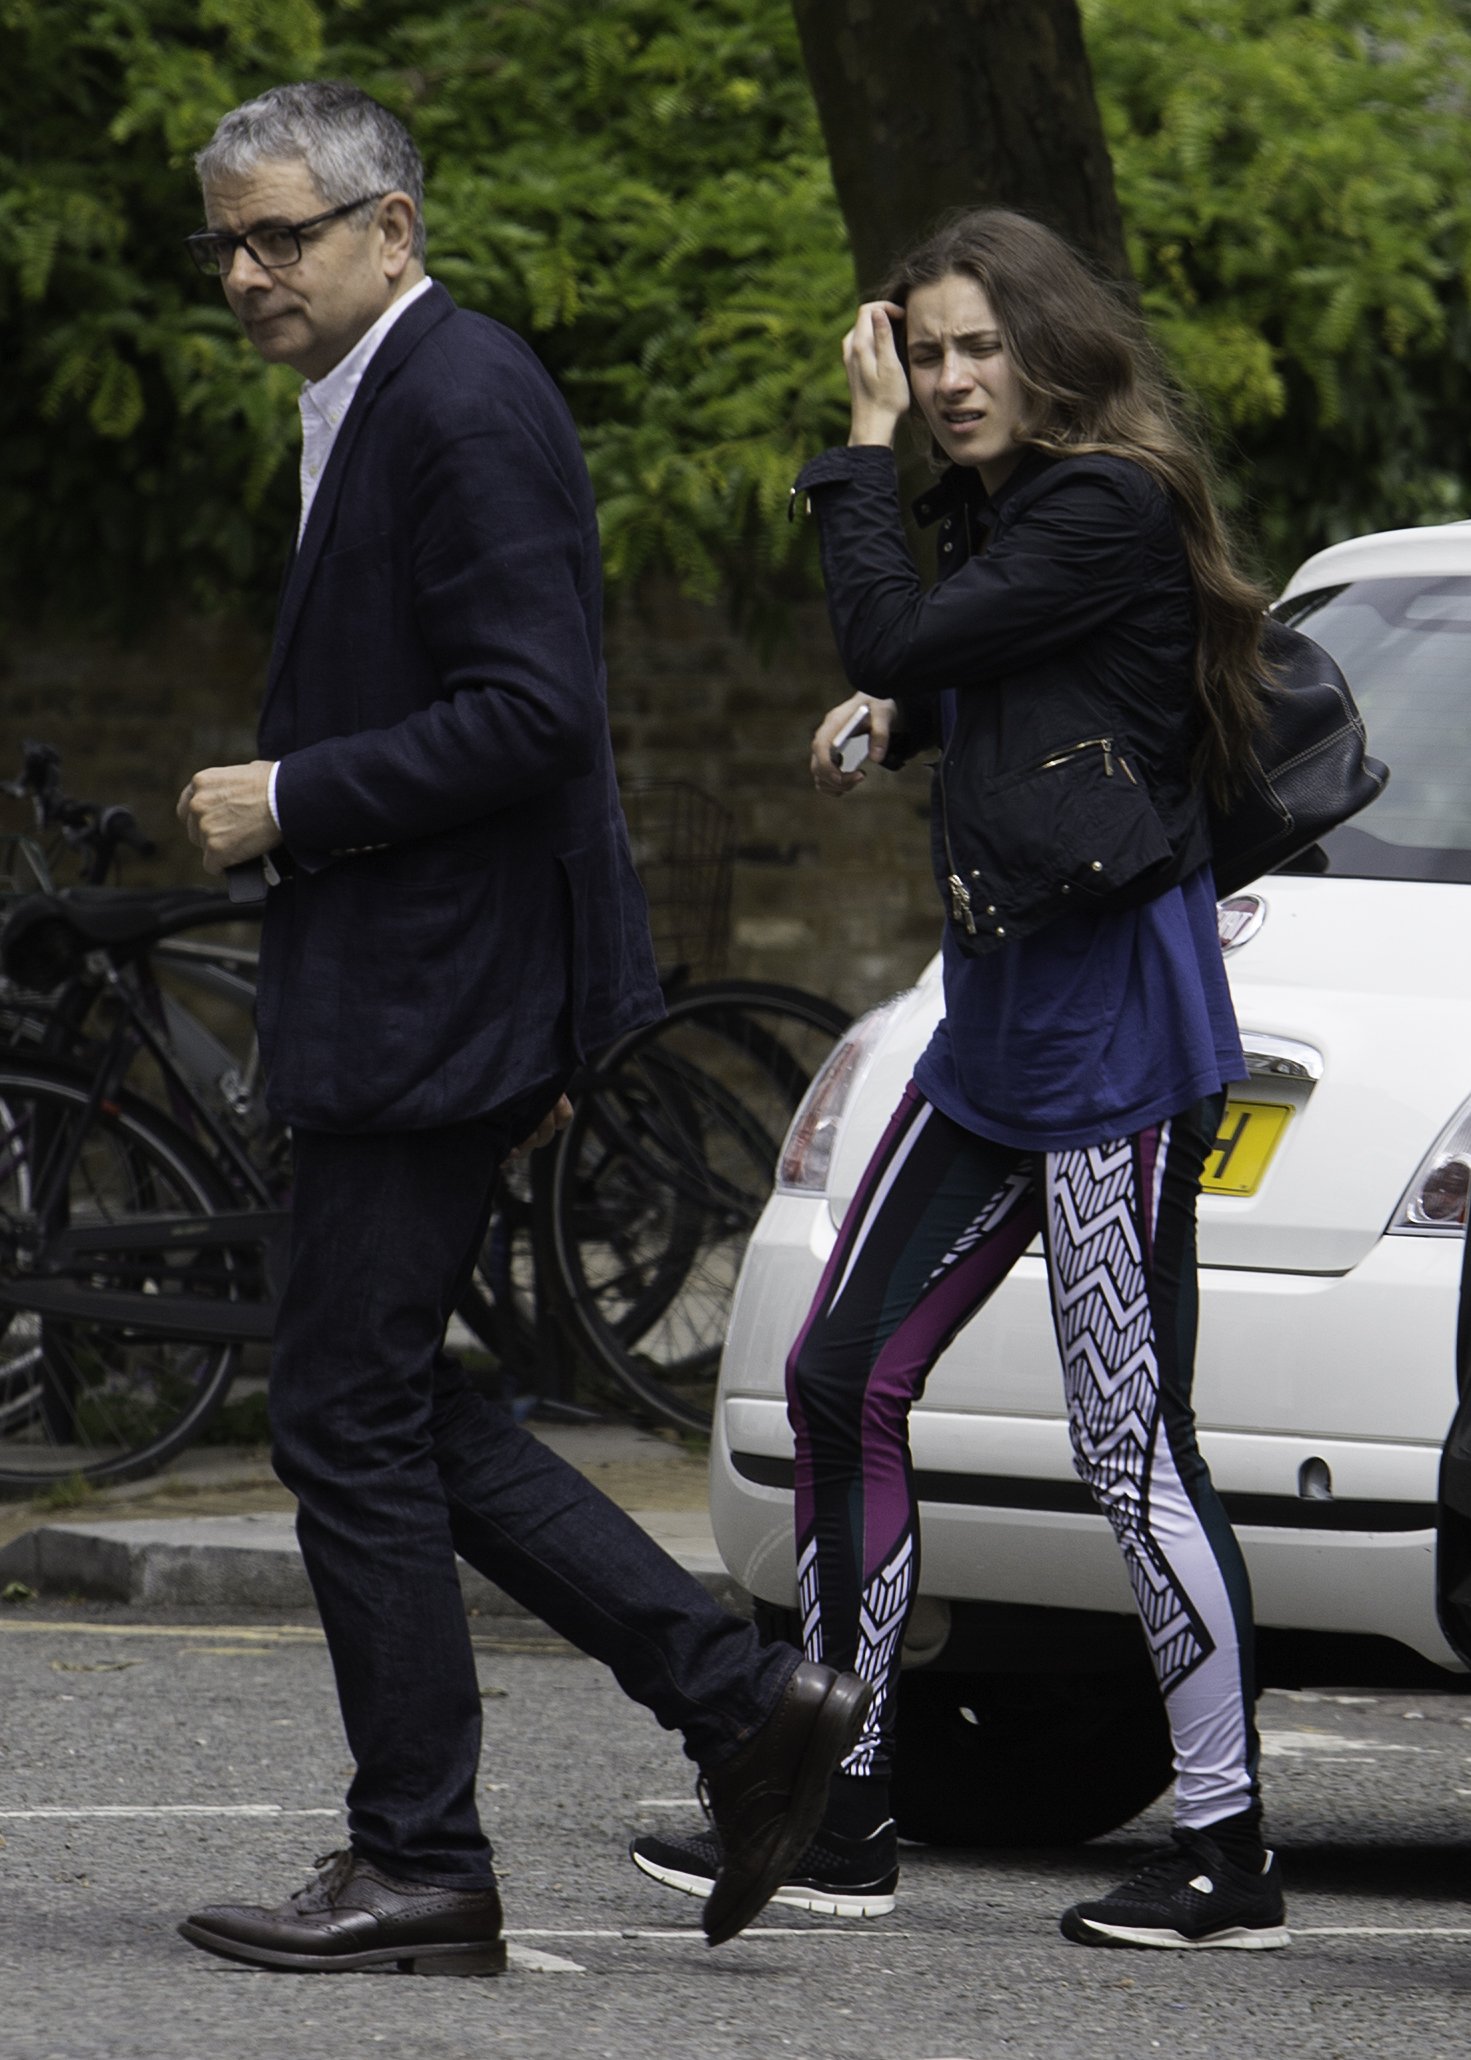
[1330,1247]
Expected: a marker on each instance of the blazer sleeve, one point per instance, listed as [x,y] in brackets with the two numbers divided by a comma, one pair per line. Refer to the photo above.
[1072,561]
[504,578]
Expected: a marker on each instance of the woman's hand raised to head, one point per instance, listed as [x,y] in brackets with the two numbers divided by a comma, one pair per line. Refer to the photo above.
[875,374]
[883,719]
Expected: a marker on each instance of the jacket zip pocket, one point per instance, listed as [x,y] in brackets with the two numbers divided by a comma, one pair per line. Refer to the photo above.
[1103,744]
[961,911]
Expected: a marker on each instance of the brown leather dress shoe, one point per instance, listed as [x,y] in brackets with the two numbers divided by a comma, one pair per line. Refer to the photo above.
[768,1799]
[353,1916]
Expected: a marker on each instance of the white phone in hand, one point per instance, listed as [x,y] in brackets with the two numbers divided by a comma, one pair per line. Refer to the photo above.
[850,745]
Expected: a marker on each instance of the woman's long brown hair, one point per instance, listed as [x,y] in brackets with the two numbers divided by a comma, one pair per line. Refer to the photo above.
[1094,384]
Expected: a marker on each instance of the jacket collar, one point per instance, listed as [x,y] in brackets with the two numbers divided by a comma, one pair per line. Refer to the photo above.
[407,333]
[960,486]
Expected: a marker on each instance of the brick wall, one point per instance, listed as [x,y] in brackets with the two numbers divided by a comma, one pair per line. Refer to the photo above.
[831,896]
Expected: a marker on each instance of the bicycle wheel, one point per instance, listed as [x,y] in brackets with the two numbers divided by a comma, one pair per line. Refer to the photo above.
[79,1395]
[662,1173]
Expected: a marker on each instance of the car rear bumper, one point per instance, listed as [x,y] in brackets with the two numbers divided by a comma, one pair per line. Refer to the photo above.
[1367,1357]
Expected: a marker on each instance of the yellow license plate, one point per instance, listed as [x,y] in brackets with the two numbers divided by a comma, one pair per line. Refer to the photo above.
[1250,1132]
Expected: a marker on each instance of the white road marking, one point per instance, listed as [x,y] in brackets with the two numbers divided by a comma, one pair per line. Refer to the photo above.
[692,1935]
[1315,1695]
[1289,1744]
[667,1802]
[530,1961]
[272,1634]
[168,1810]
[1381,1930]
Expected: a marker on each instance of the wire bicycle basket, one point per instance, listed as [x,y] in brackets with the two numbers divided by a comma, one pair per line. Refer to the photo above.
[684,849]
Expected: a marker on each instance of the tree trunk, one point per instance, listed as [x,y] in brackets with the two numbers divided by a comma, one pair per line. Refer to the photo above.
[930,105]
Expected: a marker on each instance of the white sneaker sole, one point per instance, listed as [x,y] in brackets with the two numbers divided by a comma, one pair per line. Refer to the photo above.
[821,1902]
[1239,1939]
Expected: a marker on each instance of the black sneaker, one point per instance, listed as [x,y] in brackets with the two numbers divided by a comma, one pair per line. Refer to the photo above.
[1188,1895]
[835,1877]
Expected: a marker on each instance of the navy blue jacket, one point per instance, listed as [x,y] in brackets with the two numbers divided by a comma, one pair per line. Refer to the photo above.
[461,919]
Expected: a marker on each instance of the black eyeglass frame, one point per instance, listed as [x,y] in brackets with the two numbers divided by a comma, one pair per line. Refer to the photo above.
[206,246]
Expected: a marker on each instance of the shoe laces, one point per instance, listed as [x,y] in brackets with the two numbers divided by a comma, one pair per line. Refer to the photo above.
[332,1871]
[1161,1868]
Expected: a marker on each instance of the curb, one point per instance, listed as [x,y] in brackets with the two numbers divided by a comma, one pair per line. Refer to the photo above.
[252,1563]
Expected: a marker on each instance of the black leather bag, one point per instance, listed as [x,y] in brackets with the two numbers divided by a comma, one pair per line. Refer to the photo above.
[1312,770]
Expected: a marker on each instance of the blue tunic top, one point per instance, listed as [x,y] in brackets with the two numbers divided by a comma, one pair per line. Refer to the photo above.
[1094,1028]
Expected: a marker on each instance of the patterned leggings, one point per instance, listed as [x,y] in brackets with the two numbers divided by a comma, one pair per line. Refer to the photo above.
[940,1218]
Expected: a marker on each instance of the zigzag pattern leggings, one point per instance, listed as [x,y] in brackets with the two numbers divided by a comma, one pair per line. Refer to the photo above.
[939,1219]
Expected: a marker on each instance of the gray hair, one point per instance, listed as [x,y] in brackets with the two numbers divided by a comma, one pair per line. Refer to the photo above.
[349,144]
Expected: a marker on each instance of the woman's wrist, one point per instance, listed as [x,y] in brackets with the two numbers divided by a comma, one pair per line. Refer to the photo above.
[871,427]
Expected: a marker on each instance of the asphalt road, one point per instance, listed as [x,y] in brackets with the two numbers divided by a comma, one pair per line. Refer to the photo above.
[146,1766]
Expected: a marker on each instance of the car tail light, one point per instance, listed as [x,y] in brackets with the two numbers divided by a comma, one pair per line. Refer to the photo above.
[1435,1202]
[1238,919]
[807,1155]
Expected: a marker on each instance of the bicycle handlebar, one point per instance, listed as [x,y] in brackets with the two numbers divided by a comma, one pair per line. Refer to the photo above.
[120,826]
[99,833]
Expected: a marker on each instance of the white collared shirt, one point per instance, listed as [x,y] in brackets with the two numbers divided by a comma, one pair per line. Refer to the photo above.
[323,403]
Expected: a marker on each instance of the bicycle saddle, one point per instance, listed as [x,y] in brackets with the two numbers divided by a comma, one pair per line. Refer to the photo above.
[46,936]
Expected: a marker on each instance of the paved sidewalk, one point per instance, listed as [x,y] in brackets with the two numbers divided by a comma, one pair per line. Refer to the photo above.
[216,1531]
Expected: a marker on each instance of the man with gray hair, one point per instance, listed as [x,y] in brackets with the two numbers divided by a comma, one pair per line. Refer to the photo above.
[452,922]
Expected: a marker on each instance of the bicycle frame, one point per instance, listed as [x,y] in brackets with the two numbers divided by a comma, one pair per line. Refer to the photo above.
[51,1285]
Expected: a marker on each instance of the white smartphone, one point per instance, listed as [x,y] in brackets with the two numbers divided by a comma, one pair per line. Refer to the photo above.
[850,745]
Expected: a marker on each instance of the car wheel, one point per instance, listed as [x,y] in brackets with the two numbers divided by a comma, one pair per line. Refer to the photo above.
[1041,1759]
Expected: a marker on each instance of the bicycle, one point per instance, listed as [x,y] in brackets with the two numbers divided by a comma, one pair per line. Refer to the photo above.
[626,1234]
[623,1240]
[135,1258]
[220,969]
[613,1253]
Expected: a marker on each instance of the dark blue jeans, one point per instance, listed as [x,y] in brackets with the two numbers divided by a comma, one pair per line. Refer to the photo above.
[398,1463]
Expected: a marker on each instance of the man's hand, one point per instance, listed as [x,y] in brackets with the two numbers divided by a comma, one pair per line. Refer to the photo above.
[554,1120]
[226,813]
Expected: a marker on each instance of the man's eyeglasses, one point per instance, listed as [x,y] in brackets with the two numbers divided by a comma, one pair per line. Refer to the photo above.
[273,245]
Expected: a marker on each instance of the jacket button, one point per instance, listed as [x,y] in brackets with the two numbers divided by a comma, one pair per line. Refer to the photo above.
[1066,888]
[999,931]
[948,547]
[1097,866]
[990,908]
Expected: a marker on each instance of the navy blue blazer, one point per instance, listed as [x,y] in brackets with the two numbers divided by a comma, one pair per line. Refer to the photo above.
[461,919]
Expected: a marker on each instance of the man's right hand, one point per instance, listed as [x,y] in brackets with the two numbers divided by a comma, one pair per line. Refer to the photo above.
[226,811]
[883,719]
[554,1120]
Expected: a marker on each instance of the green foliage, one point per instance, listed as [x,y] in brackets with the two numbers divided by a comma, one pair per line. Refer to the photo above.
[640,187]
[70,1492]
[647,197]
[140,435]
[1293,180]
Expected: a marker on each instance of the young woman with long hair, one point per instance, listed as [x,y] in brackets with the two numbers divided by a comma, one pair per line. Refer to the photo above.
[1089,660]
